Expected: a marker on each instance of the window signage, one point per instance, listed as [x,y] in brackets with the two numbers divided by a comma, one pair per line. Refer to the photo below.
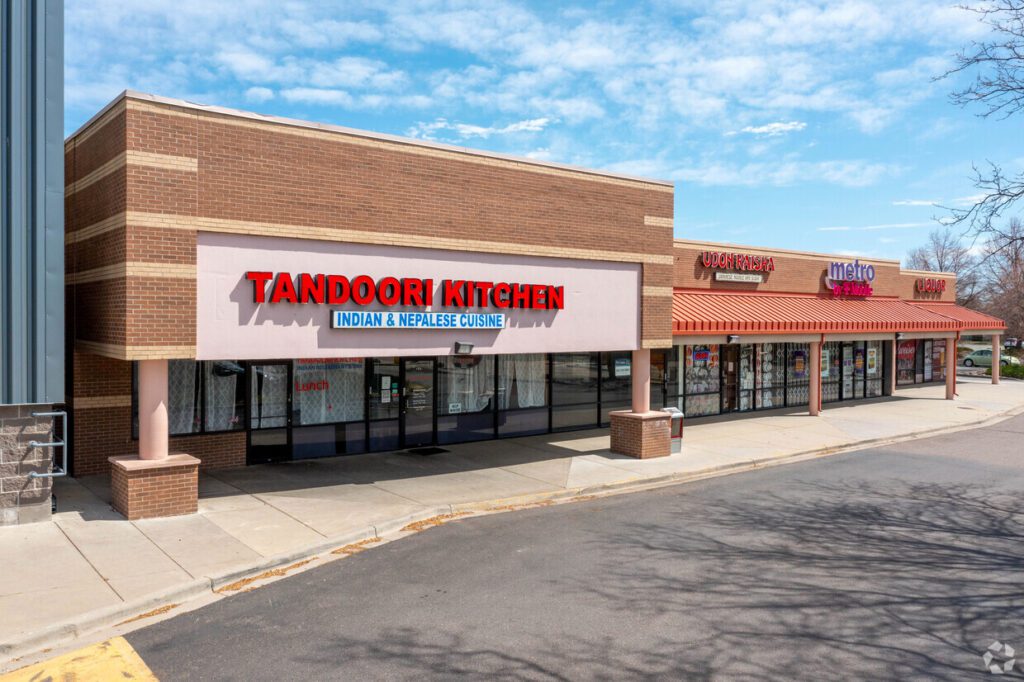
[738,277]
[357,319]
[721,260]
[850,279]
[930,285]
[363,290]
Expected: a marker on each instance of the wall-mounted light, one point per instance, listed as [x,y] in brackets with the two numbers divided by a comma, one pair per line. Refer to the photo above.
[463,348]
[732,338]
[899,335]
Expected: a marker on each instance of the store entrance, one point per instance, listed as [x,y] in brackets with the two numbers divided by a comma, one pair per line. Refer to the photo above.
[730,378]
[417,402]
[269,412]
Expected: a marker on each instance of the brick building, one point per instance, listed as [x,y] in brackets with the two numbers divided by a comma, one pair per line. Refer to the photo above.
[246,289]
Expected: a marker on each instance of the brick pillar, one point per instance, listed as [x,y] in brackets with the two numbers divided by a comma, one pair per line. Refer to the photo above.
[997,349]
[640,432]
[814,367]
[154,482]
[24,499]
[951,345]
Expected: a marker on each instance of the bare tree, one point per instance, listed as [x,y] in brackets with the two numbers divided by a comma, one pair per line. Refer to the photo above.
[1002,269]
[998,87]
[945,252]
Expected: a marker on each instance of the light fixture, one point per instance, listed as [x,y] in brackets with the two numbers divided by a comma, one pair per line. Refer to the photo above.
[732,338]
[463,348]
[899,335]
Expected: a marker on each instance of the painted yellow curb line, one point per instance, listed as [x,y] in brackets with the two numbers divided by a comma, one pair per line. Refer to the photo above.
[114,659]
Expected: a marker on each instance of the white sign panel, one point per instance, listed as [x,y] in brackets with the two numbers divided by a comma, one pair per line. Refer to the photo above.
[737,277]
[348,319]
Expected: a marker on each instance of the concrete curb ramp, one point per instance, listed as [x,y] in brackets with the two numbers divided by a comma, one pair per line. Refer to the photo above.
[140,612]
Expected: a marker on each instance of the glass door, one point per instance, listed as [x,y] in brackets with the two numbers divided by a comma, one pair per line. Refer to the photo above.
[417,402]
[730,377]
[269,409]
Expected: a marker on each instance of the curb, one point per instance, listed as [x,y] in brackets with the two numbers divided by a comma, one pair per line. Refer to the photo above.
[72,629]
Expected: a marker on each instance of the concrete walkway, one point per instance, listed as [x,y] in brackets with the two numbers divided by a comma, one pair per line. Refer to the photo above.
[89,560]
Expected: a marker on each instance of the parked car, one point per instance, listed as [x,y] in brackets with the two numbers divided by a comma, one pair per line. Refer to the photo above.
[983,358]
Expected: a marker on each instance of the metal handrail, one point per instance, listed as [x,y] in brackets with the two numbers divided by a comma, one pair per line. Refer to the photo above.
[62,444]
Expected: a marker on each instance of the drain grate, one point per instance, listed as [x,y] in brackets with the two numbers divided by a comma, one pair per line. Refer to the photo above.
[426,451]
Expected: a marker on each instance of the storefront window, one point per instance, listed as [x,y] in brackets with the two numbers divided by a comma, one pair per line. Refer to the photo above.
[702,380]
[664,378]
[224,390]
[522,381]
[574,385]
[906,361]
[938,360]
[616,383]
[327,391]
[798,374]
[746,377]
[522,394]
[831,370]
[770,371]
[873,368]
[183,397]
[384,403]
[465,398]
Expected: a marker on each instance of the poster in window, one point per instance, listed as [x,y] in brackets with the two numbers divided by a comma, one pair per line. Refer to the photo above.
[858,361]
[622,367]
[800,364]
[826,364]
[872,361]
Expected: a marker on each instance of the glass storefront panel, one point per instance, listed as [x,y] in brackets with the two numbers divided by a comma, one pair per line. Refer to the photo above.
[183,397]
[831,371]
[327,391]
[847,368]
[873,369]
[523,422]
[664,378]
[522,381]
[574,379]
[770,375]
[747,376]
[938,360]
[797,374]
[573,416]
[326,440]
[224,391]
[616,369]
[465,398]
[702,380]
[268,403]
[906,362]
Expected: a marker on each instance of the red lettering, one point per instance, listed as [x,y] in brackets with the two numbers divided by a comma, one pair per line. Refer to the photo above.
[412,292]
[520,296]
[428,285]
[537,297]
[259,284]
[771,264]
[705,258]
[482,289]
[556,298]
[311,288]
[453,294]
[363,290]
[389,291]
[284,289]
[501,294]
[337,289]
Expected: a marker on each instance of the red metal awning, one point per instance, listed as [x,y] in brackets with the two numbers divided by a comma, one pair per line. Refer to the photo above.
[965,317]
[757,313]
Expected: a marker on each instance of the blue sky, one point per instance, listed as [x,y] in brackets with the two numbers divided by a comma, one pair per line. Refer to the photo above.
[795,124]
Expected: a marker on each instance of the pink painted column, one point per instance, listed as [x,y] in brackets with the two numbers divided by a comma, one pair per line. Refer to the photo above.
[951,345]
[814,367]
[153,431]
[997,349]
[641,380]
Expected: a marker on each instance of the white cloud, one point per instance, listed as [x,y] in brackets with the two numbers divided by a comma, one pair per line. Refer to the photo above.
[847,173]
[318,96]
[774,129]
[463,131]
[914,202]
[259,94]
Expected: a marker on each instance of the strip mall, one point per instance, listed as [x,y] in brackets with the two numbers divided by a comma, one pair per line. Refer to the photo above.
[245,289]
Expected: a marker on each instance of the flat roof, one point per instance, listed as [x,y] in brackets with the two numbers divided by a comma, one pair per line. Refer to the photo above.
[683,243]
[355,132]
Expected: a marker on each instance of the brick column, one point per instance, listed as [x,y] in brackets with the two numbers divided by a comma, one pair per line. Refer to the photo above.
[641,432]
[154,482]
[951,345]
[997,349]
[814,367]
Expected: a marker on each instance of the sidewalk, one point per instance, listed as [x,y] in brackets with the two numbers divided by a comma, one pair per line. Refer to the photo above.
[256,517]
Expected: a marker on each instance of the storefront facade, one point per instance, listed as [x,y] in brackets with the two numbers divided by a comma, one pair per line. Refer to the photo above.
[764,329]
[243,289]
